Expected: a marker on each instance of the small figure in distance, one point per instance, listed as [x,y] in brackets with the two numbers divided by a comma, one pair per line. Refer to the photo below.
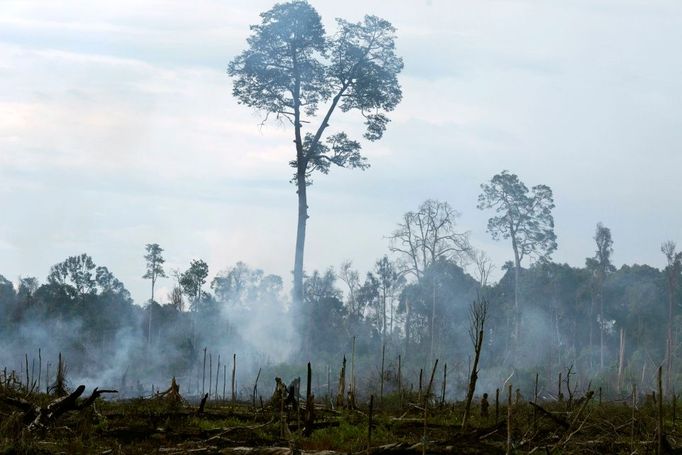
[484,406]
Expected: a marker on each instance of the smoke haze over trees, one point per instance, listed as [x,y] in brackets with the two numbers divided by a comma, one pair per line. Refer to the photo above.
[602,320]
[570,316]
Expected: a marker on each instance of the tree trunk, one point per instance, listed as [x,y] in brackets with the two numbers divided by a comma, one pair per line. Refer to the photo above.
[473,378]
[517,309]
[601,326]
[433,321]
[669,340]
[383,321]
[301,190]
[591,327]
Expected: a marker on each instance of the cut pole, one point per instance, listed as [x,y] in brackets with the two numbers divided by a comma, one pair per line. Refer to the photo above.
[352,371]
[224,379]
[203,376]
[369,426]
[509,419]
[659,425]
[255,390]
[497,405]
[40,369]
[535,400]
[217,377]
[234,370]
[632,422]
[421,373]
[381,388]
[445,381]
[309,418]
[400,384]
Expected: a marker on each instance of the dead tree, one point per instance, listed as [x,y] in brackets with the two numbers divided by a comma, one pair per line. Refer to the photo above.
[340,395]
[40,418]
[59,385]
[202,405]
[477,315]
[309,417]
[172,393]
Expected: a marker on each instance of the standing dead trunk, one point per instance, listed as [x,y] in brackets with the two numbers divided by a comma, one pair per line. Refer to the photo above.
[224,379]
[40,369]
[255,390]
[309,417]
[621,357]
[203,375]
[370,423]
[341,392]
[234,372]
[381,389]
[659,420]
[400,383]
[591,325]
[477,316]
[426,404]
[601,326]
[351,393]
[445,383]
[472,379]
[509,419]
[433,321]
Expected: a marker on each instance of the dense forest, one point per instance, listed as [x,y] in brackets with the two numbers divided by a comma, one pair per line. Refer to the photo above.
[600,324]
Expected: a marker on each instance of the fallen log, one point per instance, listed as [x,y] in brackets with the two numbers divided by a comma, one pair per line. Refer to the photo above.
[48,415]
[556,419]
[39,418]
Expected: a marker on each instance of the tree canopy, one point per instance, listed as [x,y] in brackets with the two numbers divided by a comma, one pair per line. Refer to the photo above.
[291,68]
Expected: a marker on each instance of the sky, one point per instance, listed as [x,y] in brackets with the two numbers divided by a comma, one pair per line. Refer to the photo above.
[118,128]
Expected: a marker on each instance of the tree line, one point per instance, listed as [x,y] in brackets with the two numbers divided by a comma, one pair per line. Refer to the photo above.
[603,321]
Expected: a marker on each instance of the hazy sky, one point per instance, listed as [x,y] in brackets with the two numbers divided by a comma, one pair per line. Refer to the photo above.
[118,128]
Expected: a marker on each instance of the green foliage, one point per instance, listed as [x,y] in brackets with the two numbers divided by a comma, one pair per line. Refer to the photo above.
[192,280]
[523,216]
[291,67]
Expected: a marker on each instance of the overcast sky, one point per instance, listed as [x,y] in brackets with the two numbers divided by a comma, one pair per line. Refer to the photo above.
[118,128]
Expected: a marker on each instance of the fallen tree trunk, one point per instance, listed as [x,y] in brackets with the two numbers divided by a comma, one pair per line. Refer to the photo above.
[556,419]
[39,418]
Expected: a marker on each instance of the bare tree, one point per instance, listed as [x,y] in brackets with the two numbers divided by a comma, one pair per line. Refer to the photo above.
[352,279]
[427,235]
[483,267]
[477,315]
[176,299]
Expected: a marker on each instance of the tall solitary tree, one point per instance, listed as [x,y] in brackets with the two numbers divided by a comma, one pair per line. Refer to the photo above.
[154,264]
[523,216]
[291,69]
[600,265]
[154,271]
[672,274]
